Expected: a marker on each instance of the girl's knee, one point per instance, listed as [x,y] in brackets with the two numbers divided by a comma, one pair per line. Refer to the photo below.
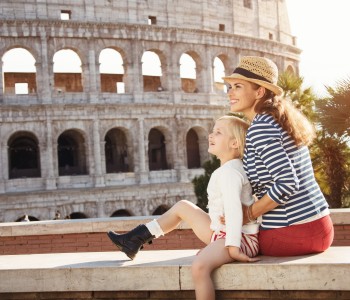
[199,269]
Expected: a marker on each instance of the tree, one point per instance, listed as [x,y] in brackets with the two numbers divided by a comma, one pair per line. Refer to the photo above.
[303,99]
[334,111]
[201,182]
[334,118]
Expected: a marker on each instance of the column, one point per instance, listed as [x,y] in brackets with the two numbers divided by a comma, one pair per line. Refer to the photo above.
[99,180]
[142,152]
[3,166]
[2,90]
[91,72]
[47,159]
[44,74]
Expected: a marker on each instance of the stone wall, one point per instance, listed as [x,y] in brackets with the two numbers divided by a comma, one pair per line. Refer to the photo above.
[85,114]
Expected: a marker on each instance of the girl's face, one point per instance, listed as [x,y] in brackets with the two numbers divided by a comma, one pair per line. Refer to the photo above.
[243,97]
[221,142]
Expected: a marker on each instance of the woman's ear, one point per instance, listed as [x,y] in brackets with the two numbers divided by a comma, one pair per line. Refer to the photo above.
[260,92]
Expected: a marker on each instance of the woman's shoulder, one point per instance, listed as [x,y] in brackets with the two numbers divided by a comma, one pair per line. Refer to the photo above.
[263,125]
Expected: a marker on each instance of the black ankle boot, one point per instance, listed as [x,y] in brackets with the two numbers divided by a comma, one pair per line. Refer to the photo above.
[131,242]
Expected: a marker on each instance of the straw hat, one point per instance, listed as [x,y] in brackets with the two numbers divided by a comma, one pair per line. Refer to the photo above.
[259,70]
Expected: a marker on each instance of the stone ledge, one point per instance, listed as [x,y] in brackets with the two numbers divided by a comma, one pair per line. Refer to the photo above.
[340,216]
[169,270]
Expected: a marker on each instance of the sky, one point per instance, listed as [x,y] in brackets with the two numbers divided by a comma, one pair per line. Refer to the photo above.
[322,28]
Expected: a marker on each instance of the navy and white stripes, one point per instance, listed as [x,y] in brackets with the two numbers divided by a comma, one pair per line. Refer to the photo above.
[276,166]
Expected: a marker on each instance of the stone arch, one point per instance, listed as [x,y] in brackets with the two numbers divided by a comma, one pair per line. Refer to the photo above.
[23,155]
[71,152]
[19,74]
[290,69]
[121,213]
[77,215]
[118,151]
[196,147]
[190,78]
[26,218]
[152,70]
[67,78]
[161,209]
[157,150]
[111,71]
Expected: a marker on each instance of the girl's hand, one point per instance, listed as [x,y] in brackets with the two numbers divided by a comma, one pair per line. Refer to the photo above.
[222,220]
[238,255]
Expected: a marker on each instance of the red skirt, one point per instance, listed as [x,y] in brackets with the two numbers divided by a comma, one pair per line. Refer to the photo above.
[313,237]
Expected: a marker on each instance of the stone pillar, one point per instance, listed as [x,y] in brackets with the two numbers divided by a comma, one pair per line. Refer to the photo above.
[47,159]
[142,152]
[91,73]
[99,181]
[2,90]
[208,74]
[136,85]
[44,75]
[4,175]
[180,150]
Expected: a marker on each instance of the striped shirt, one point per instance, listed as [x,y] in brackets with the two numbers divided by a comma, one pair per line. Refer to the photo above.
[277,167]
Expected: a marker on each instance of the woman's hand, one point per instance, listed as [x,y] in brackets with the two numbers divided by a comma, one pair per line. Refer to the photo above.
[237,254]
[245,216]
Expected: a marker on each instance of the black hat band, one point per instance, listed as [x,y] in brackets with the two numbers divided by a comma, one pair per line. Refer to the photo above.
[249,74]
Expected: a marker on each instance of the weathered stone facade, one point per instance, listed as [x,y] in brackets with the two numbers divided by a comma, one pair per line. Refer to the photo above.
[58,144]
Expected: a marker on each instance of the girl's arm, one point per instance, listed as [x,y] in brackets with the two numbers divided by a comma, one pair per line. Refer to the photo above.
[238,255]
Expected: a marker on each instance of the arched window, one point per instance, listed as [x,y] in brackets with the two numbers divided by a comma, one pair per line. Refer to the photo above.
[111,71]
[219,72]
[19,72]
[151,72]
[71,153]
[188,73]
[77,215]
[156,150]
[161,209]
[67,71]
[121,213]
[116,151]
[192,147]
[24,156]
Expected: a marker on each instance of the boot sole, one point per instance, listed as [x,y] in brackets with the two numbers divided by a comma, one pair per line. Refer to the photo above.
[121,248]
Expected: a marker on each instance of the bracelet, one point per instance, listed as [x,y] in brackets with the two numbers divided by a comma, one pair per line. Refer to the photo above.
[250,214]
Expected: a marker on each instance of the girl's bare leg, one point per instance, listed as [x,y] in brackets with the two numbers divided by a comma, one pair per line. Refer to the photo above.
[210,258]
[186,211]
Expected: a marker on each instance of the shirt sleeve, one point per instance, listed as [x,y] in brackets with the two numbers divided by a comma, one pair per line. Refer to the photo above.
[272,153]
[231,188]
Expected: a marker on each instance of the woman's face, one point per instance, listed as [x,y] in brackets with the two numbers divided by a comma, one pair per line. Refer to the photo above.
[243,97]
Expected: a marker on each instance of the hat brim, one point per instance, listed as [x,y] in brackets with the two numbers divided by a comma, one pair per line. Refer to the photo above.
[272,87]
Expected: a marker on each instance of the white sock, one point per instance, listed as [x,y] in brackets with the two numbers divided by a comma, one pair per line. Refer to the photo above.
[154,228]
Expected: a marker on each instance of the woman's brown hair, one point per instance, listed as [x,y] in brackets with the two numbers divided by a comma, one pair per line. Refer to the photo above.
[287,115]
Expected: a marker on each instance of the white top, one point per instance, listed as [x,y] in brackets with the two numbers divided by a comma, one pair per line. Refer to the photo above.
[227,190]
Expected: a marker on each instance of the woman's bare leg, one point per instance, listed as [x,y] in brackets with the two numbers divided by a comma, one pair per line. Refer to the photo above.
[186,211]
[210,258]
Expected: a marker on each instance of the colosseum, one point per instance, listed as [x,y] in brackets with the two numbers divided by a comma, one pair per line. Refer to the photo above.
[106,105]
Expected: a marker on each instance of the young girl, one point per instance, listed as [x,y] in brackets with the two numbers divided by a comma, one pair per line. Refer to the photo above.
[228,186]
[295,215]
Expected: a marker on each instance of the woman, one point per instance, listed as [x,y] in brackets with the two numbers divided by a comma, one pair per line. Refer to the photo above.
[293,211]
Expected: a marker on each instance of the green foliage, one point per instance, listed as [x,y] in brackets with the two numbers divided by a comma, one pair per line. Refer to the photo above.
[303,99]
[201,182]
[331,165]
[334,111]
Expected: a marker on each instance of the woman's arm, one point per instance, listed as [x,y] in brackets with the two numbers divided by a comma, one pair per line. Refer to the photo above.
[258,208]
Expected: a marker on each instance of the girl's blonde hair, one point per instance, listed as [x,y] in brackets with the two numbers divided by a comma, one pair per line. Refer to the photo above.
[237,129]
